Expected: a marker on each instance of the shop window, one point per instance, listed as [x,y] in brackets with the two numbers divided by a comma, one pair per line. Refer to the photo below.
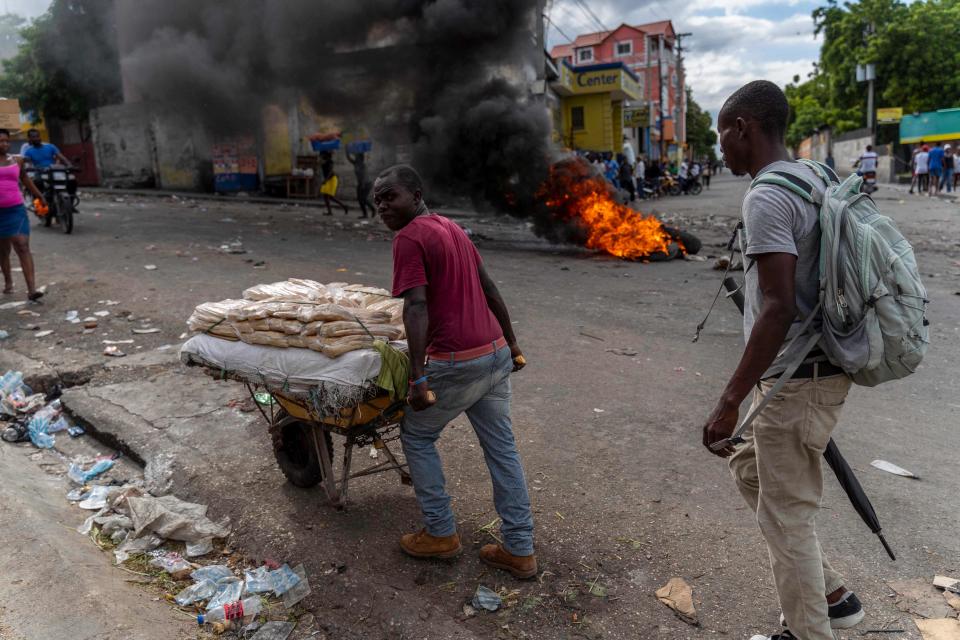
[576,119]
[625,48]
[585,55]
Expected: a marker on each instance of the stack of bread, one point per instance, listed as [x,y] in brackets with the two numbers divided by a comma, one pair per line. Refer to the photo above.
[330,318]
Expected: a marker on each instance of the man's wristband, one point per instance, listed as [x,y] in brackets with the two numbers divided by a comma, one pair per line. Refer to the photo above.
[418,381]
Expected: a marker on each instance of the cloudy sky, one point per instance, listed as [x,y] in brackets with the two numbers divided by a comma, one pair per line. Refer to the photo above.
[733,41]
[28,8]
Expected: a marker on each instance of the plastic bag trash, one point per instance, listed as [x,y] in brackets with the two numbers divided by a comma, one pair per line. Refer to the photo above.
[97,499]
[213,572]
[199,548]
[228,590]
[300,591]
[257,580]
[171,562]
[77,494]
[486,598]
[283,579]
[60,424]
[196,592]
[81,476]
[274,630]
[172,518]
[133,545]
[110,525]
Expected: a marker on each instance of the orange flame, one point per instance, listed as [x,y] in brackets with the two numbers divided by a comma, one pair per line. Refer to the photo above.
[575,194]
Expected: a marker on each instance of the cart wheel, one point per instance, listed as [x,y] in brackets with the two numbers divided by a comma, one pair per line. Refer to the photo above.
[295,453]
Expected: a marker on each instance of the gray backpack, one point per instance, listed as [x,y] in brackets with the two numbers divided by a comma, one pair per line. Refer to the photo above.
[872,302]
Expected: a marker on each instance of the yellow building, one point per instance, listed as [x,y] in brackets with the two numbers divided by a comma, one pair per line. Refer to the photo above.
[591,111]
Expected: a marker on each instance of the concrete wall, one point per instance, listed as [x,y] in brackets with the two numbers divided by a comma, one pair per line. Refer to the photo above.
[123,142]
[139,147]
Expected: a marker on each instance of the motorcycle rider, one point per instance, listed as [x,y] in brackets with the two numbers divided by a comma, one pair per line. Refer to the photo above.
[42,154]
[866,165]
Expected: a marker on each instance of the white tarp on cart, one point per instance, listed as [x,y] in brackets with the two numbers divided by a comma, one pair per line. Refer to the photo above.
[330,383]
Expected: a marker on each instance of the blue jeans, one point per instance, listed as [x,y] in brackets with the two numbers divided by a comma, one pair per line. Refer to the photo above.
[481,388]
[947,179]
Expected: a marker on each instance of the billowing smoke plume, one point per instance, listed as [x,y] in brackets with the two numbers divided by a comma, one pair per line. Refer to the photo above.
[453,72]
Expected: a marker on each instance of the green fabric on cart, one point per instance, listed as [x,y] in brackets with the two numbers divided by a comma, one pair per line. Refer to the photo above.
[394,370]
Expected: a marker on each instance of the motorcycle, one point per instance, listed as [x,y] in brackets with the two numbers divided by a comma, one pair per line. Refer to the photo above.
[58,184]
[691,185]
[869,182]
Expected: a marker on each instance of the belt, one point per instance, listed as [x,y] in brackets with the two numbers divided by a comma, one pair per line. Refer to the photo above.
[469,354]
[814,369]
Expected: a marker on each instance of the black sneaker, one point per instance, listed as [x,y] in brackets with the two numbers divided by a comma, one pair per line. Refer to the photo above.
[783,635]
[846,613]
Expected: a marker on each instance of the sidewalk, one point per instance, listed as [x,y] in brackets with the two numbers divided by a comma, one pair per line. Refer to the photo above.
[242,197]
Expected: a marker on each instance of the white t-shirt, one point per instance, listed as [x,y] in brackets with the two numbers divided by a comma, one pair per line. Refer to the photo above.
[629,153]
[682,173]
[640,171]
[868,161]
[695,169]
[922,166]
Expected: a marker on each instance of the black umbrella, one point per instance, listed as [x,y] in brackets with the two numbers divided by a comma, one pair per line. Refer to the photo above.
[832,455]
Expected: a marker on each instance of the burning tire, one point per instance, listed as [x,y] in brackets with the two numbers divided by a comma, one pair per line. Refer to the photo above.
[690,242]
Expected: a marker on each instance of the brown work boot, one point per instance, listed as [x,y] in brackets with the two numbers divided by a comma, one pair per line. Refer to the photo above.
[423,545]
[522,567]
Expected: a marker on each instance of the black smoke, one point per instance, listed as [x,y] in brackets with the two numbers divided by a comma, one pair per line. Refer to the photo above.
[454,73]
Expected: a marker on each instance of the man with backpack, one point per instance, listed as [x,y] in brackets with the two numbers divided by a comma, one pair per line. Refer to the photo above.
[778,467]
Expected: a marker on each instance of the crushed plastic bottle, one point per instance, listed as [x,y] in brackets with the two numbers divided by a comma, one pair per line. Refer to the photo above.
[39,425]
[198,591]
[212,572]
[231,611]
[257,580]
[283,580]
[228,590]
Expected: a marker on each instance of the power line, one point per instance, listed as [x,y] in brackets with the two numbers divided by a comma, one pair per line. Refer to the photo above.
[557,27]
[590,14]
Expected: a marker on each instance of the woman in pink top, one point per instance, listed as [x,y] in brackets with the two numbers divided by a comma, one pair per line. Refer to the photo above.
[14,223]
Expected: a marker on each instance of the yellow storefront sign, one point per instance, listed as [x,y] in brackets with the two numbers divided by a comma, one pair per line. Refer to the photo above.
[889,115]
[613,79]
[638,117]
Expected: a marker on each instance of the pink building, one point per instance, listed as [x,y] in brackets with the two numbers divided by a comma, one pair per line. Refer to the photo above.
[650,51]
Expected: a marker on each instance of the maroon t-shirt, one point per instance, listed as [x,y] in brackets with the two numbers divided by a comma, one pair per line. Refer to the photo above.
[435,252]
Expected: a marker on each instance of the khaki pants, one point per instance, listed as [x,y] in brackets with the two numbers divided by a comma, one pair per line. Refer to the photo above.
[778,472]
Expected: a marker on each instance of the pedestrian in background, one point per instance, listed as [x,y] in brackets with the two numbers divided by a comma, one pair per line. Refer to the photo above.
[949,167]
[359,163]
[330,182]
[611,169]
[922,169]
[935,168]
[626,179]
[640,174]
[707,171]
[956,167]
[14,223]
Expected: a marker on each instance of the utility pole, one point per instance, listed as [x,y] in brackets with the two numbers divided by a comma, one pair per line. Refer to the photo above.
[660,88]
[681,92]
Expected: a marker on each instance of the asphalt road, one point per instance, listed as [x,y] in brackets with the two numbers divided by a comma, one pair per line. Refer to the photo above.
[625,497]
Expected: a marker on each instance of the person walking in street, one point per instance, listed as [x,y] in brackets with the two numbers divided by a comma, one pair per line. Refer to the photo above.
[359,163]
[462,352]
[949,166]
[14,223]
[330,182]
[707,171]
[778,468]
[626,179]
[922,169]
[935,168]
[640,176]
[611,169]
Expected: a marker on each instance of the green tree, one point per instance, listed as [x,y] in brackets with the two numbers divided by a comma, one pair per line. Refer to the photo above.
[67,61]
[701,137]
[915,48]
